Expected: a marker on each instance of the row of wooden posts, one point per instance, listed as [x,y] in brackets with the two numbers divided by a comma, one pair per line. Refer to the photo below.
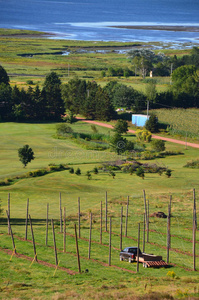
[63,228]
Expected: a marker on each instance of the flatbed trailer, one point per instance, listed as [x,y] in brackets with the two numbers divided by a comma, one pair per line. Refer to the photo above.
[150,260]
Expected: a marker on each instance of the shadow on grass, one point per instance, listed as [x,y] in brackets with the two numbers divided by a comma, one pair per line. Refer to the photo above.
[22,221]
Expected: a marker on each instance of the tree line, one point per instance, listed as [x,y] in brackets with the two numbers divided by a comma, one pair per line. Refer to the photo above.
[91,100]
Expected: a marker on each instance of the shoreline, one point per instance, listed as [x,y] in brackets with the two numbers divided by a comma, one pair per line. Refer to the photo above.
[159,27]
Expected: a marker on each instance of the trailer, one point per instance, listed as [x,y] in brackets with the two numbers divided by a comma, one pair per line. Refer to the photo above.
[148,260]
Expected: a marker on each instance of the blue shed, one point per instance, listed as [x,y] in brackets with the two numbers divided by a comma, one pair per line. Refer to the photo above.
[139,120]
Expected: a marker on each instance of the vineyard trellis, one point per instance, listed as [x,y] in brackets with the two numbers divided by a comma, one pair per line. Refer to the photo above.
[112,222]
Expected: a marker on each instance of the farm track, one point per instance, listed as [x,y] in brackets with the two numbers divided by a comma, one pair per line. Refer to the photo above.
[193,145]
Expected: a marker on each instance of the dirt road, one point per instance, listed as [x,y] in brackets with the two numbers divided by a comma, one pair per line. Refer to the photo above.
[193,145]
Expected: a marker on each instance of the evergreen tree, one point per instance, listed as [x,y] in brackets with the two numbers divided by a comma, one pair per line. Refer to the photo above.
[53,98]
[4,78]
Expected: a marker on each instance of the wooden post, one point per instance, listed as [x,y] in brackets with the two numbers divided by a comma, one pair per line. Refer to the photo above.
[27,212]
[33,240]
[9,212]
[121,228]
[146,214]
[55,248]
[79,225]
[170,221]
[77,249]
[138,247]
[143,249]
[64,230]
[101,224]
[127,209]
[60,209]
[109,260]
[194,231]
[106,212]
[89,247]
[10,229]
[148,223]
[168,233]
[47,224]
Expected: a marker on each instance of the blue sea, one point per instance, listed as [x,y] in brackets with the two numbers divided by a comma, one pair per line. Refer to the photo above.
[90,19]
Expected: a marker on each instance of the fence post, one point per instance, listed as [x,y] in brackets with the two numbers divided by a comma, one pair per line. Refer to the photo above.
[33,240]
[148,223]
[10,229]
[194,231]
[9,212]
[127,210]
[168,233]
[121,228]
[64,230]
[60,209]
[89,248]
[138,247]
[47,224]
[77,250]
[101,223]
[79,217]
[146,214]
[27,211]
[109,261]
[143,249]
[106,212]
[55,248]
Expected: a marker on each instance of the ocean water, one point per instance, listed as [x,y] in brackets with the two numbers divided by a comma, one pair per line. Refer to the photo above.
[90,19]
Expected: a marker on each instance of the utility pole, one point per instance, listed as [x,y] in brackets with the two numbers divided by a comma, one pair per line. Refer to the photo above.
[171,72]
[147,109]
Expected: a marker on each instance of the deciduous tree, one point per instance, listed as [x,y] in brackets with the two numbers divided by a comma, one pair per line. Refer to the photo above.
[25,155]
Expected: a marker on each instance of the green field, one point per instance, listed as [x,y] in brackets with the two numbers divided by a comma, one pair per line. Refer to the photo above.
[28,55]
[22,280]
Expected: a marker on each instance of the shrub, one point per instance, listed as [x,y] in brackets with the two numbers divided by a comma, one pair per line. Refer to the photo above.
[78,171]
[168,173]
[140,172]
[143,135]
[63,129]
[71,171]
[158,145]
[88,174]
[194,164]
[152,123]
[95,170]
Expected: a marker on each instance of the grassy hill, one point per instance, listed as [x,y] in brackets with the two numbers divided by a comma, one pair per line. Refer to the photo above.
[23,279]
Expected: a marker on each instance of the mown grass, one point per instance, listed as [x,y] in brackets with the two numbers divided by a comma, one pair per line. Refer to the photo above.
[21,279]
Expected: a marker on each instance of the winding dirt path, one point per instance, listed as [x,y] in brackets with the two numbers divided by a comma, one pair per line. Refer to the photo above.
[193,145]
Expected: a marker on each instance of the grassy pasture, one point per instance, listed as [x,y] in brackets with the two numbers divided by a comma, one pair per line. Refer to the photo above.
[21,279]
